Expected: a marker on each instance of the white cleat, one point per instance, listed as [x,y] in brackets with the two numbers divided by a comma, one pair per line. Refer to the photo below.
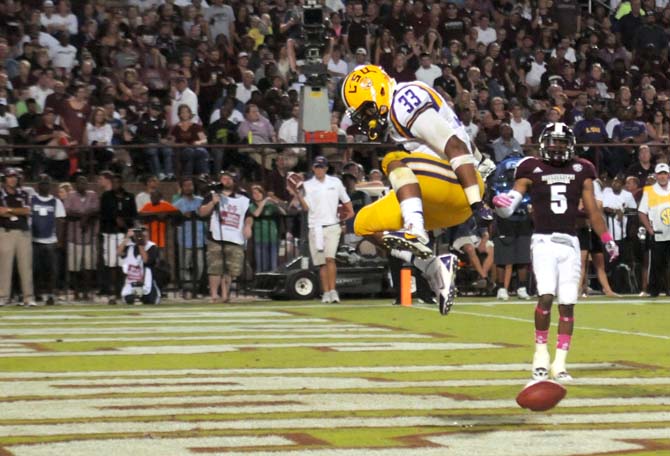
[441,276]
[561,375]
[502,294]
[522,293]
[409,240]
[334,297]
[540,370]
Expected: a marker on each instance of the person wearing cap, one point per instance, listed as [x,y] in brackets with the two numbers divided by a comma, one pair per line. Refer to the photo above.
[245,87]
[47,221]
[15,239]
[654,213]
[322,196]
[230,226]
[360,58]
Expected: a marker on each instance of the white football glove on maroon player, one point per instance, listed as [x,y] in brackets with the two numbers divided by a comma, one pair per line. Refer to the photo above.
[611,246]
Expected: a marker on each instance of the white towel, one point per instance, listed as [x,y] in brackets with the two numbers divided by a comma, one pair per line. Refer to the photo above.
[318,238]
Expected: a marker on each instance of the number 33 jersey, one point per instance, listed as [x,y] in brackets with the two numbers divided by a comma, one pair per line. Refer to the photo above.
[555,192]
[409,101]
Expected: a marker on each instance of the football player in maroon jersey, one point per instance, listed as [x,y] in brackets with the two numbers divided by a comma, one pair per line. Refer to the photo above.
[556,181]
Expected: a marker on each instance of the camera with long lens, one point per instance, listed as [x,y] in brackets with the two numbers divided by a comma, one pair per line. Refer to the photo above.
[315,37]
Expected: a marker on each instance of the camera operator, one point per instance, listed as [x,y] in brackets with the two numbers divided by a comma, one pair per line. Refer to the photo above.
[229,228]
[139,257]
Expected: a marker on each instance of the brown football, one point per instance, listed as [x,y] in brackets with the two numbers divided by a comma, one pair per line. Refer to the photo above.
[295,180]
[540,396]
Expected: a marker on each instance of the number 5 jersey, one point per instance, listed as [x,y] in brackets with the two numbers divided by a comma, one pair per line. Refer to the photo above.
[555,192]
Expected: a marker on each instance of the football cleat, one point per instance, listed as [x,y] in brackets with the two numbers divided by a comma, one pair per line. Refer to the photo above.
[522,293]
[560,375]
[441,276]
[416,242]
[502,294]
[540,366]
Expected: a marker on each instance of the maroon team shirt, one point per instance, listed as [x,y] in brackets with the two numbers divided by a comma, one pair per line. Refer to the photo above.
[555,192]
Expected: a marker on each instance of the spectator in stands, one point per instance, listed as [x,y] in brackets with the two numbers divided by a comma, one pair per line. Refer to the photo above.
[152,129]
[9,126]
[190,237]
[82,207]
[47,222]
[323,193]
[359,199]
[659,127]
[182,95]
[186,132]
[428,72]
[521,128]
[265,210]
[246,87]
[506,145]
[288,133]
[74,113]
[616,202]
[256,129]
[140,257]
[643,167]
[117,215]
[360,57]
[229,228]
[336,66]
[653,216]
[223,130]
[591,129]
[447,84]
[155,214]
[275,180]
[150,184]
[99,133]
[15,242]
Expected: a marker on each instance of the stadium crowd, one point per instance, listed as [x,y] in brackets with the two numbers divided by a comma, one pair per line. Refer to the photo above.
[182,77]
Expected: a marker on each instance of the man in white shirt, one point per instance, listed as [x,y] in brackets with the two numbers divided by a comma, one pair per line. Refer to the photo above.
[182,94]
[246,87]
[40,91]
[428,72]
[8,122]
[221,19]
[616,201]
[288,132]
[523,131]
[537,69]
[65,55]
[323,193]
[485,34]
[337,68]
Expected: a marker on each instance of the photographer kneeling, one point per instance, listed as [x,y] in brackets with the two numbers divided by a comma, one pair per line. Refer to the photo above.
[139,256]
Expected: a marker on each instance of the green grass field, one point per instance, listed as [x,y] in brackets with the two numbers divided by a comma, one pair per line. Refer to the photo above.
[357,378]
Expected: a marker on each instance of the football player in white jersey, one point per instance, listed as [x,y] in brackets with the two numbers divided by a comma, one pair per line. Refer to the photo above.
[434,179]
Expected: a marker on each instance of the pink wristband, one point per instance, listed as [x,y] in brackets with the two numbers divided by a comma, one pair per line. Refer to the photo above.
[606,237]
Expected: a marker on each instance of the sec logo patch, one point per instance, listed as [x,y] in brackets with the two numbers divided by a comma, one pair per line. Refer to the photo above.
[665,216]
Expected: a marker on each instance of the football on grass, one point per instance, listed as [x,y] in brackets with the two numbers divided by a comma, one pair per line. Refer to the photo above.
[541,395]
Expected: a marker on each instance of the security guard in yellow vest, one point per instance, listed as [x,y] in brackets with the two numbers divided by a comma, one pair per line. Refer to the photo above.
[654,211]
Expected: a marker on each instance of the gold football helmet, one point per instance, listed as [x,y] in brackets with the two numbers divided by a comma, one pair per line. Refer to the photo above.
[366,93]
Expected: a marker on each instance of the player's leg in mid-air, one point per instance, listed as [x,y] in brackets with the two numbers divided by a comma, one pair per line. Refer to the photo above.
[557,269]
[442,203]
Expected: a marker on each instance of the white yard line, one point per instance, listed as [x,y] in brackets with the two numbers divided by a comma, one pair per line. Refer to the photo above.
[169,425]
[513,367]
[268,403]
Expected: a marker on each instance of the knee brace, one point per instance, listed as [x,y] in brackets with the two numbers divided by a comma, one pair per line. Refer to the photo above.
[402,176]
